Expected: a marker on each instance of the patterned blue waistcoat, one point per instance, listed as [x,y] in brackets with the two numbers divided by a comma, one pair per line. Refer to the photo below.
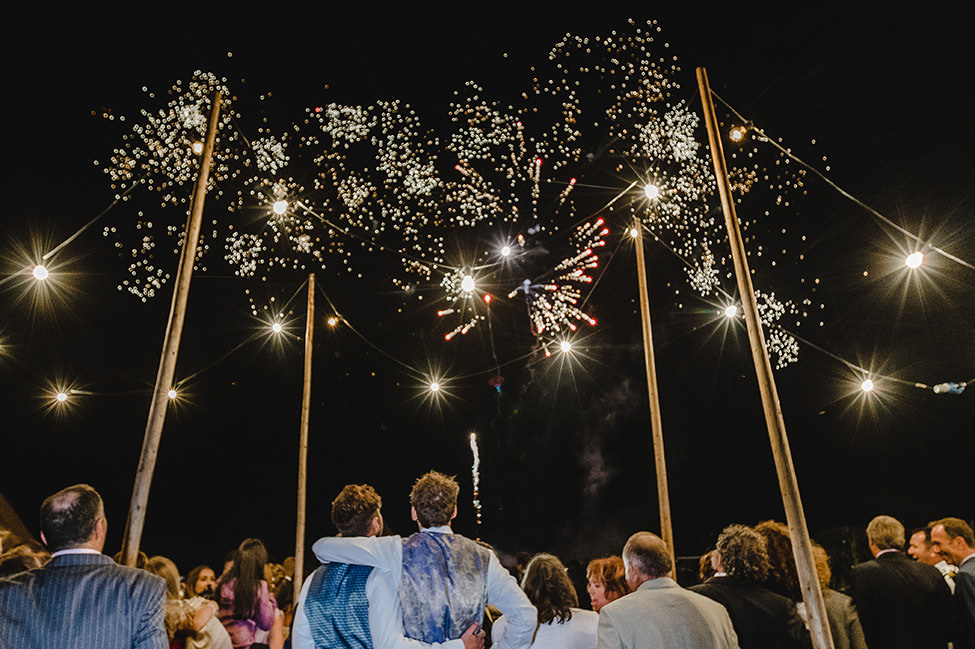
[337,607]
[443,589]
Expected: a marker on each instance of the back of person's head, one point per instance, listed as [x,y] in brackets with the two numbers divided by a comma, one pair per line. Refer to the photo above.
[247,572]
[954,528]
[354,508]
[611,573]
[705,566]
[783,575]
[166,569]
[886,532]
[821,559]
[741,551]
[434,497]
[68,517]
[549,589]
[649,554]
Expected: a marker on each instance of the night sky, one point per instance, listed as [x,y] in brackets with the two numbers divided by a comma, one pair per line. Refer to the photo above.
[565,446]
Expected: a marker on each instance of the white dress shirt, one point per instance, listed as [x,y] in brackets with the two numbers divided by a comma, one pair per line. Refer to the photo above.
[386,554]
[580,632]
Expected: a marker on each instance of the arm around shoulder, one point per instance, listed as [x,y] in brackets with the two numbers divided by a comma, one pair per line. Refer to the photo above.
[521,616]
[384,552]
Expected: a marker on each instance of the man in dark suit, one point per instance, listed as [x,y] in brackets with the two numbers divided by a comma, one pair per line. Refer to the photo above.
[902,603]
[953,539]
[81,598]
[761,618]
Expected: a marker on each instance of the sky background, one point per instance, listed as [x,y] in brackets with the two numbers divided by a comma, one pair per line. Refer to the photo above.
[565,447]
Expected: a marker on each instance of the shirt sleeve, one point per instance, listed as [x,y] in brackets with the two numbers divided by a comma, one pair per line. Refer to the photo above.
[386,616]
[382,552]
[503,592]
[301,632]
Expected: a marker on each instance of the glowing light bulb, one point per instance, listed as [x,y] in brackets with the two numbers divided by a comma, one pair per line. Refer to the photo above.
[198,148]
[276,327]
[467,284]
[61,396]
[634,232]
[40,272]
[867,385]
[434,387]
[172,394]
[731,311]
[565,345]
[332,321]
[280,207]
[652,191]
[737,134]
[505,251]
[914,259]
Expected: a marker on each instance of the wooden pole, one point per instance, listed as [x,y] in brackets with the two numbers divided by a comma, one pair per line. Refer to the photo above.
[167,363]
[656,425]
[303,441]
[788,485]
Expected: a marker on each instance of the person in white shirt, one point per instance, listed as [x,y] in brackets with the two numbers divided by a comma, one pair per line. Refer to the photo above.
[355,606]
[561,623]
[444,580]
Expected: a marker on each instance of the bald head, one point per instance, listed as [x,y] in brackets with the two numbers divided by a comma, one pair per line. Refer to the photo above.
[70,519]
[646,557]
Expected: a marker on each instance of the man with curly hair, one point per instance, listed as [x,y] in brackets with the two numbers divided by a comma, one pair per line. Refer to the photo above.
[445,580]
[761,618]
[356,606]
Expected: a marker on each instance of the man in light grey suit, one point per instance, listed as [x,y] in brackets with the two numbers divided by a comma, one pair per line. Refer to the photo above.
[81,598]
[659,614]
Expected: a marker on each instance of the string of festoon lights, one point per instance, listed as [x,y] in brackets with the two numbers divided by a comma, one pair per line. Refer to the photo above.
[912,260]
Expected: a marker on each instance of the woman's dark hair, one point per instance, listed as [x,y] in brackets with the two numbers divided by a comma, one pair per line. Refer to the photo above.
[549,589]
[247,573]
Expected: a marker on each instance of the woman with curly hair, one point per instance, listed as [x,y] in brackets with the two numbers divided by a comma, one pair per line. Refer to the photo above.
[761,618]
[607,581]
[561,623]
[246,604]
[783,576]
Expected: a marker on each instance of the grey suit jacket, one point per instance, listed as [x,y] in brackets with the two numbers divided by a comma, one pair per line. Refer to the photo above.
[82,601]
[662,615]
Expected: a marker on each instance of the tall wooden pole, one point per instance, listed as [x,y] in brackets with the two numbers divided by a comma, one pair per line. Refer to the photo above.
[801,545]
[656,425]
[303,441]
[167,363]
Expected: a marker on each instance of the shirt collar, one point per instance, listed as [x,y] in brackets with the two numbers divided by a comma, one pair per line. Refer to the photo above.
[74,551]
[439,529]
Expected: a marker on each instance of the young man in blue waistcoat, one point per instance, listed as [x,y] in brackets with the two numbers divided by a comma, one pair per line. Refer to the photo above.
[444,580]
[356,606]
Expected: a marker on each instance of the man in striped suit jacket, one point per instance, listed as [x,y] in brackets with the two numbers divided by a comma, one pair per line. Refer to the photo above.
[81,598]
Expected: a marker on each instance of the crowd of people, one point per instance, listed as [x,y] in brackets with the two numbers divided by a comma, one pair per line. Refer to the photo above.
[435,588]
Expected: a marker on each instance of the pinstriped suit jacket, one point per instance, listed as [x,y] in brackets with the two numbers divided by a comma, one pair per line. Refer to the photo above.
[82,601]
